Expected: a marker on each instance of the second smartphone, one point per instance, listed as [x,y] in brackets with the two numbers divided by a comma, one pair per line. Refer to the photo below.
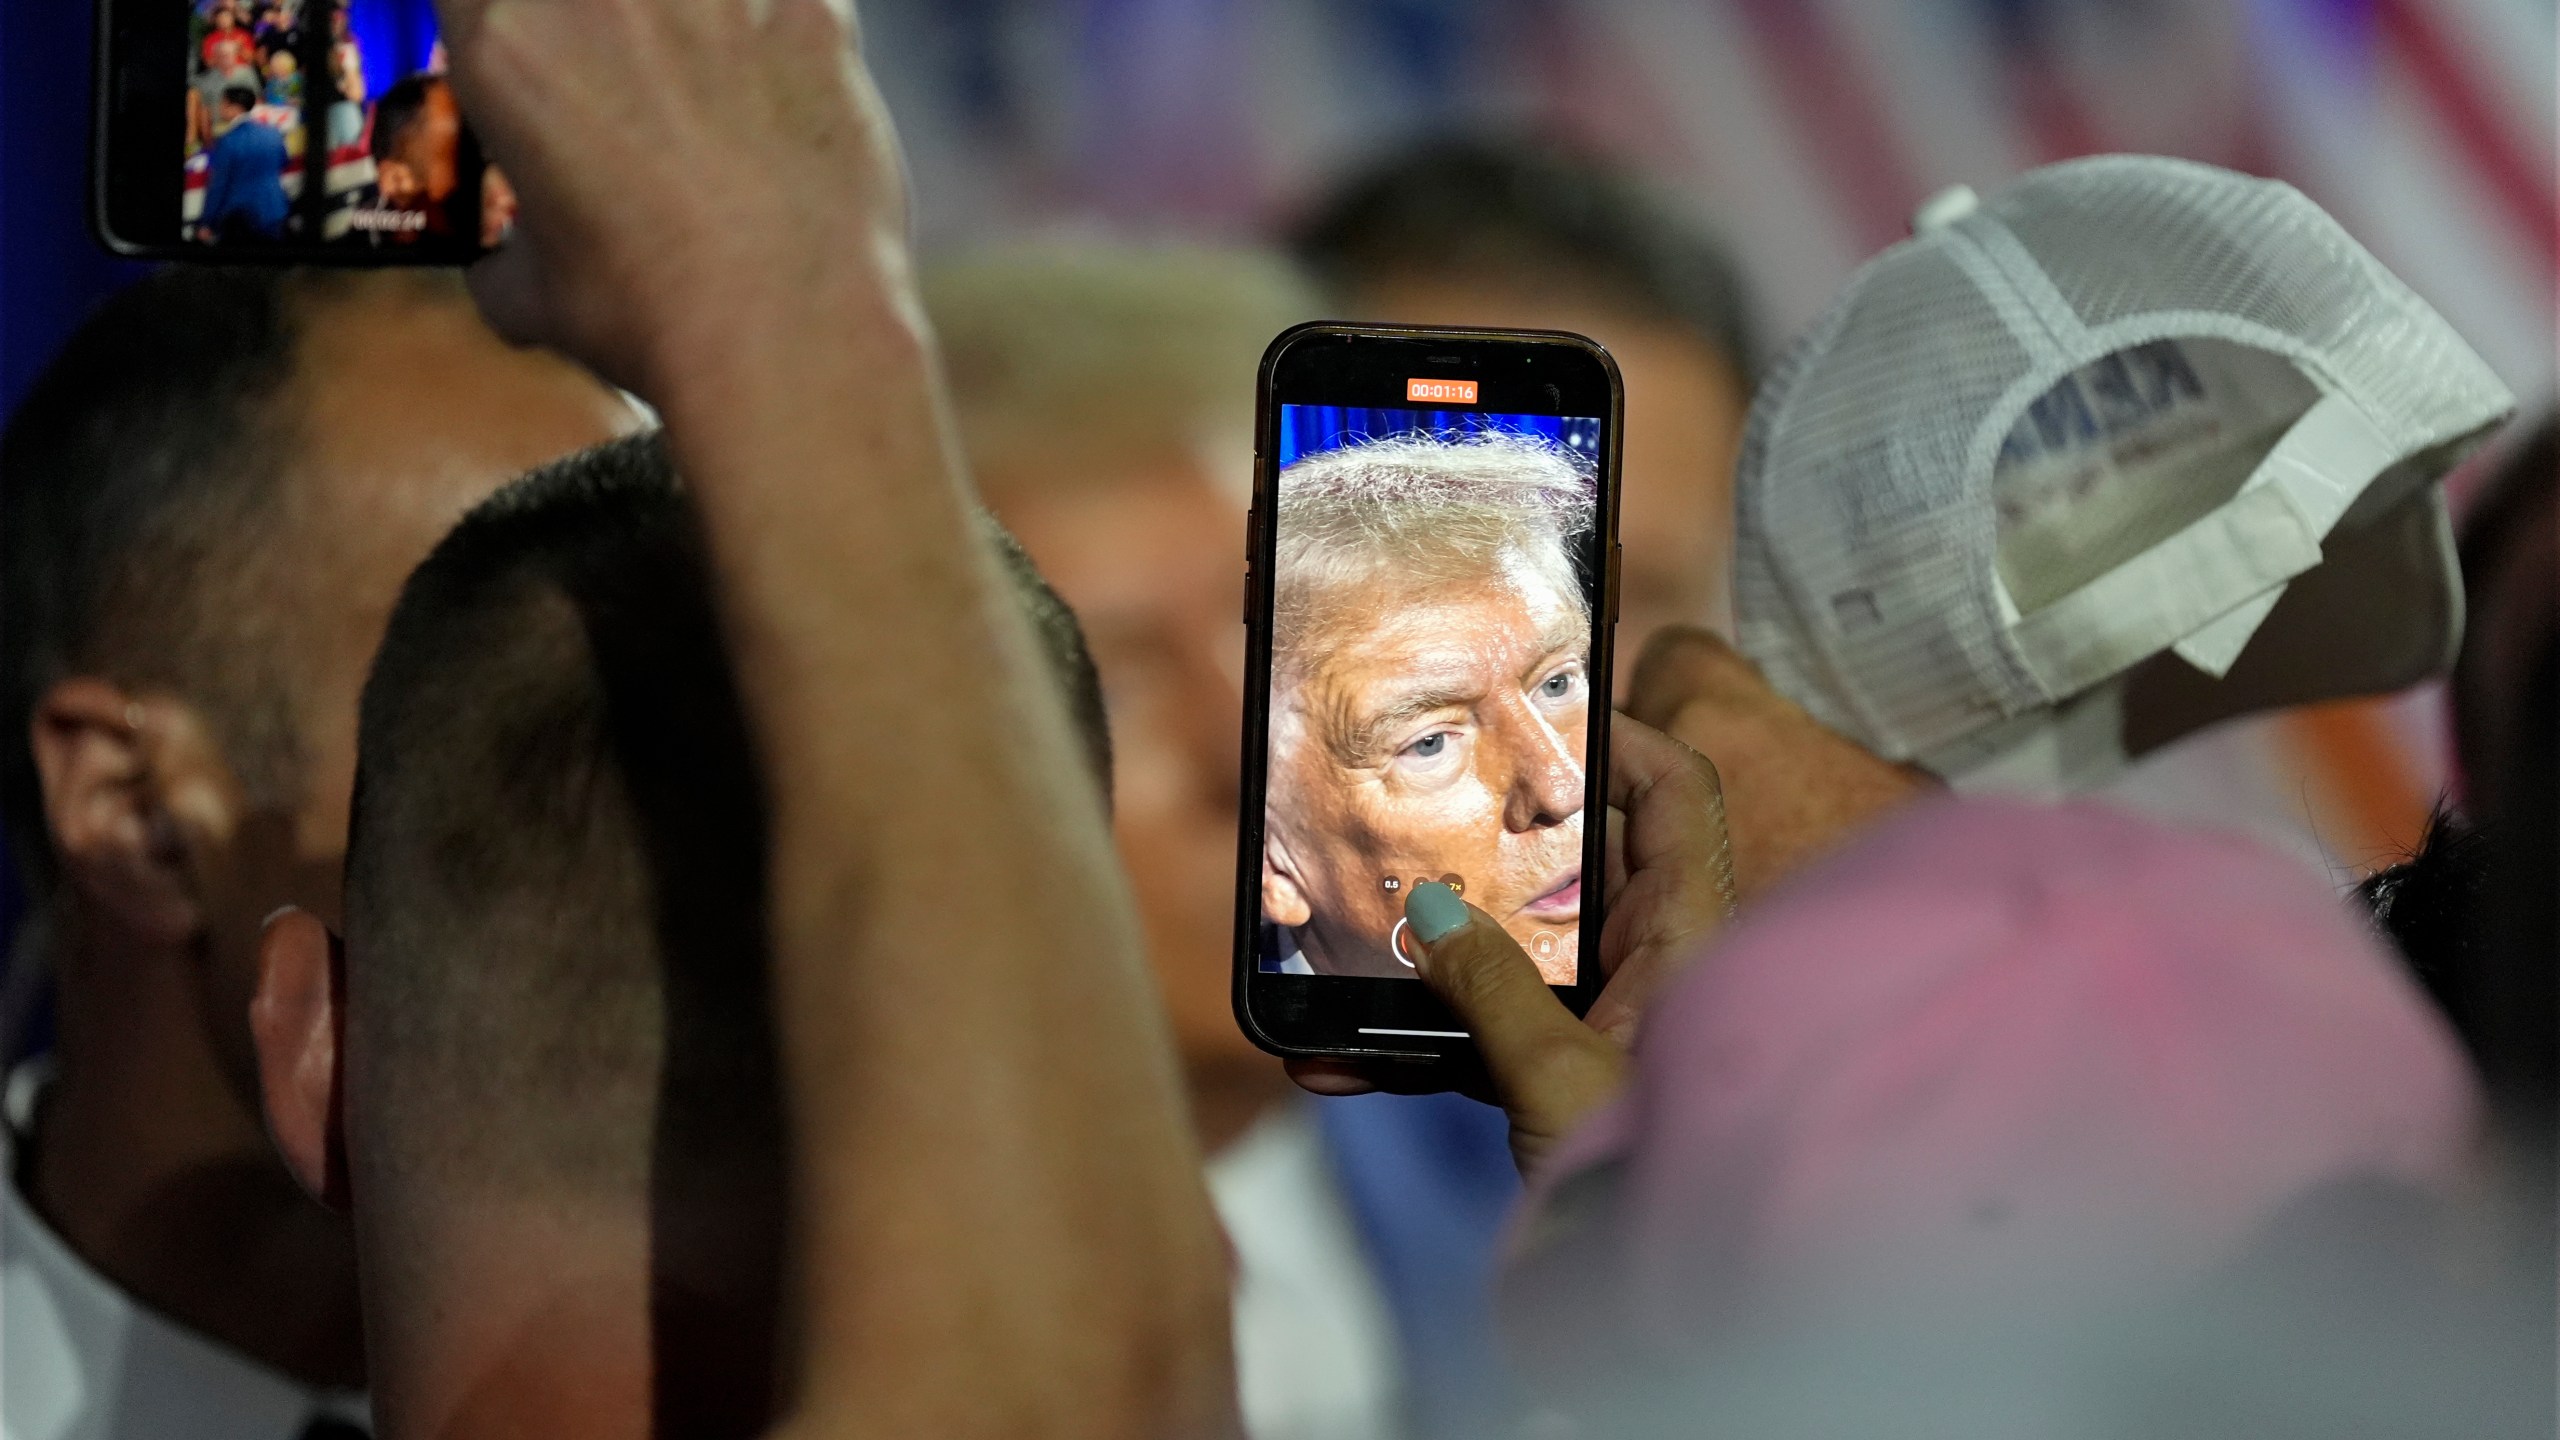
[1431,597]
[302,131]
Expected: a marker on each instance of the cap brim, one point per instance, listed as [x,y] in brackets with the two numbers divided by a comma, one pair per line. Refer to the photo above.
[2381,611]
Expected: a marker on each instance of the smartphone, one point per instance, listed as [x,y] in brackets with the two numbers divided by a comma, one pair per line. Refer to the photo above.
[1430,595]
[300,131]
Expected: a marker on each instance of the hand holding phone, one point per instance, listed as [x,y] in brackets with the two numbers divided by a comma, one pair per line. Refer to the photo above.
[713,215]
[1799,788]
[1431,598]
[1671,888]
[669,209]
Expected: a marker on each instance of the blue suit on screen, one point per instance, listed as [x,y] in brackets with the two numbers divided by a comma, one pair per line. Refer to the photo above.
[244,182]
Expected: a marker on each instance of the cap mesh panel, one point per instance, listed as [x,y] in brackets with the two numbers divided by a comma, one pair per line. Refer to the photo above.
[1864,582]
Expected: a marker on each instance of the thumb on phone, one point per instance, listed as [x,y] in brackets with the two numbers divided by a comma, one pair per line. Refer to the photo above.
[1549,1068]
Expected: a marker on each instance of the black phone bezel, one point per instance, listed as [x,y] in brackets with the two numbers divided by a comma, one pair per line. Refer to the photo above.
[137,122]
[1333,362]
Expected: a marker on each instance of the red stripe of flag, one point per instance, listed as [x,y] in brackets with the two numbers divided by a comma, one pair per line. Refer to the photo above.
[2523,193]
[1840,116]
[1601,97]
[2058,125]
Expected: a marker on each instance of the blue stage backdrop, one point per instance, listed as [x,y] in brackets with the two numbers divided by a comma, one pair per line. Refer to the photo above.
[1313,429]
[395,37]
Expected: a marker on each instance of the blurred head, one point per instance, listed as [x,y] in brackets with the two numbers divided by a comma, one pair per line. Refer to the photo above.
[1106,399]
[1428,694]
[281,65]
[237,102]
[207,504]
[555,1113]
[2435,908]
[2506,709]
[1487,232]
[417,132]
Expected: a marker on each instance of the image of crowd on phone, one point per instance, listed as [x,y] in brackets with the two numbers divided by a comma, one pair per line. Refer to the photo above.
[244,120]
[398,170]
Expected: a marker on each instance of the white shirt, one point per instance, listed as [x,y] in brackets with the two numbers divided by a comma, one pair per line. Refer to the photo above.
[81,1360]
[1316,1355]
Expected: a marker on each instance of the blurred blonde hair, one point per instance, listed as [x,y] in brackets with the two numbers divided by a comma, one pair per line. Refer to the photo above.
[1062,354]
[1423,510]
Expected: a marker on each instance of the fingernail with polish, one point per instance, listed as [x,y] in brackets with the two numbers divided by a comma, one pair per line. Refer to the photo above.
[1434,911]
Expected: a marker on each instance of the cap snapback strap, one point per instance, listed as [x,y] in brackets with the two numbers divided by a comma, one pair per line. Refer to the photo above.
[2225,570]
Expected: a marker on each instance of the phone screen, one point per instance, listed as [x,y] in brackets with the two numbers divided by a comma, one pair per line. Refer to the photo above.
[1433,650]
[328,124]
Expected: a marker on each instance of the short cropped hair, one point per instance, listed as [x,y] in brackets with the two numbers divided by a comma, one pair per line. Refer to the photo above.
[1549,218]
[1423,508]
[556,859]
[141,483]
[244,96]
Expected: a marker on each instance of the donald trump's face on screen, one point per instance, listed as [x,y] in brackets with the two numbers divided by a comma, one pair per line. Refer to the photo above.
[1428,718]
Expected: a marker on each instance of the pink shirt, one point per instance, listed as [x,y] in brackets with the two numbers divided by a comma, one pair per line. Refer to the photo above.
[1991,1043]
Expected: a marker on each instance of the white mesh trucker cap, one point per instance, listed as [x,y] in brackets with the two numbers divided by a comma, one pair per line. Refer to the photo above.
[2018,505]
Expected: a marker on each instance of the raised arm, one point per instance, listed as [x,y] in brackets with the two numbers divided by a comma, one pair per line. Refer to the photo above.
[1002,1230]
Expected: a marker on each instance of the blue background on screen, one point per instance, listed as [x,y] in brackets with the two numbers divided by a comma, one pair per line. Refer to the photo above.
[1313,429]
[394,36]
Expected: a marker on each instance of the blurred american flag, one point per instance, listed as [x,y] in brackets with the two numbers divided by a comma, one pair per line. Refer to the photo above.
[1805,131]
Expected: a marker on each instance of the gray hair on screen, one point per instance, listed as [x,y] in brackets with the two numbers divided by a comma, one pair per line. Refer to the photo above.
[1424,509]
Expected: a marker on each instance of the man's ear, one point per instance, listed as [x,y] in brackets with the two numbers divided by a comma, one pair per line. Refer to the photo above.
[130,784]
[1284,900]
[298,1019]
